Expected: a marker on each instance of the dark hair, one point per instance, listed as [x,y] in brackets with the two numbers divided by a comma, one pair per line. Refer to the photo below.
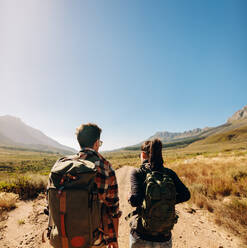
[146,147]
[153,149]
[87,134]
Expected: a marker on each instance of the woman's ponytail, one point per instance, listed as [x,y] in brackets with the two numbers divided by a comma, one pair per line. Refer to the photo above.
[155,154]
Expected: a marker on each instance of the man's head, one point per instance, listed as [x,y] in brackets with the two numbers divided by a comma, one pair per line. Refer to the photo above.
[88,135]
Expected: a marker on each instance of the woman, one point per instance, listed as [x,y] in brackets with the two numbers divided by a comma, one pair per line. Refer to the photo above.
[141,234]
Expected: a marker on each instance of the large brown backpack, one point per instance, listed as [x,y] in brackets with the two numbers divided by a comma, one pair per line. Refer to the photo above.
[74,209]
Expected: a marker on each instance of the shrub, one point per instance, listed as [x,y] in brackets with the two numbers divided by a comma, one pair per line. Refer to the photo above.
[8,200]
[25,186]
[21,222]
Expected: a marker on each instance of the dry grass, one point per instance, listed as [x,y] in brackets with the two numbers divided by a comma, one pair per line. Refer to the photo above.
[26,186]
[123,158]
[21,222]
[219,184]
[233,216]
[8,200]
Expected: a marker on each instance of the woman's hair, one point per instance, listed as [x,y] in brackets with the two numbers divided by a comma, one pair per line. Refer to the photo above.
[153,149]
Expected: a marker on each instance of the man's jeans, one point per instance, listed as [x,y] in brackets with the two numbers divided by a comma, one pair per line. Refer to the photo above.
[140,243]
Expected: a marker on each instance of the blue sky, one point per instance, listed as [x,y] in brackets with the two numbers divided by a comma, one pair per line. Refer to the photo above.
[132,67]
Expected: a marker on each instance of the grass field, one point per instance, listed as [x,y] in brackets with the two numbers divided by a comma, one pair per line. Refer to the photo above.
[217,178]
[24,172]
[218,183]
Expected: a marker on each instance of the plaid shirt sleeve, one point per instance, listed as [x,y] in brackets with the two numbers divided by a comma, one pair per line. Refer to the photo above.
[108,194]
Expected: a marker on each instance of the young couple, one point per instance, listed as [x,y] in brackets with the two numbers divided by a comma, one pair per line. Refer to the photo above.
[147,230]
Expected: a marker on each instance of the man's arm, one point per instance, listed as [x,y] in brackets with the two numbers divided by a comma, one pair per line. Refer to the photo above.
[115,224]
[108,194]
[113,205]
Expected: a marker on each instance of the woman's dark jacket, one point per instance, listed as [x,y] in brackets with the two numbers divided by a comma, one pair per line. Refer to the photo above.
[137,195]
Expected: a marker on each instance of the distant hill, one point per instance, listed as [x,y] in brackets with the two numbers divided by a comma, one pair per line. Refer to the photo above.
[239,115]
[15,133]
[198,135]
[166,136]
[230,138]
[234,135]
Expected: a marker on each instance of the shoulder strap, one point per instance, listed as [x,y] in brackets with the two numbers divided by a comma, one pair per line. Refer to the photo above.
[131,214]
[145,168]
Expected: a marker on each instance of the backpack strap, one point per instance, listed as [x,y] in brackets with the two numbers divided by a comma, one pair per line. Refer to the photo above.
[131,214]
[65,242]
[145,168]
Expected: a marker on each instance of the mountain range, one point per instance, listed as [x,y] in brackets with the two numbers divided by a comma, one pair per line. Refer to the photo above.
[237,122]
[14,133]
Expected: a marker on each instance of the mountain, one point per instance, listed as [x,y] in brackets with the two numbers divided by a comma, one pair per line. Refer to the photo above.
[15,133]
[167,136]
[235,125]
[239,115]
[234,135]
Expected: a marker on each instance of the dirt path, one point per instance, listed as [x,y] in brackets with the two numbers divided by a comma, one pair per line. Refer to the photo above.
[25,224]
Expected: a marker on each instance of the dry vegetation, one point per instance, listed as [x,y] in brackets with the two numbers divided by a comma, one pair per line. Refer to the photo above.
[24,172]
[26,186]
[217,180]
[218,184]
[123,158]
[7,201]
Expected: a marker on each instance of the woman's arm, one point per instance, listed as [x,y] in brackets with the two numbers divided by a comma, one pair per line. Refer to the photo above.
[183,193]
[137,191]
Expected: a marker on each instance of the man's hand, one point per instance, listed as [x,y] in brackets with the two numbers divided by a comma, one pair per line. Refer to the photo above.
[115,224]
[113,245]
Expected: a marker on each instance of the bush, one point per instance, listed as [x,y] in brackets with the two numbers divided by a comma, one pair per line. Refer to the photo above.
[26,187]
[8,200]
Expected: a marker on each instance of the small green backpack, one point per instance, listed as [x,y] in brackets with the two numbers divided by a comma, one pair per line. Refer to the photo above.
[74,208]
[158,213]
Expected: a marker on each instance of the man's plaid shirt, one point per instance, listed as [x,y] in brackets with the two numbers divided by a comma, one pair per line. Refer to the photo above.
[107,186]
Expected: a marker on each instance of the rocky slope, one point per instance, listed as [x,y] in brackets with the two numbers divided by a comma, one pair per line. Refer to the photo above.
[168,136]
[239,115]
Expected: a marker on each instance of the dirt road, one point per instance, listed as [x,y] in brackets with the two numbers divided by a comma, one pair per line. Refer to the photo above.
[26,223]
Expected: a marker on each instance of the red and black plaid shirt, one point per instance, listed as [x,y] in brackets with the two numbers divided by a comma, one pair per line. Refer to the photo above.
[107,186]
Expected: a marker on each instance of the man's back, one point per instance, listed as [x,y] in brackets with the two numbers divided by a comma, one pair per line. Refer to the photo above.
[107,189]
[104,190]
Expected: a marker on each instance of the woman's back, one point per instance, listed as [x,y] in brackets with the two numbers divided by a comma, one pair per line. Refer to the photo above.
[142,183]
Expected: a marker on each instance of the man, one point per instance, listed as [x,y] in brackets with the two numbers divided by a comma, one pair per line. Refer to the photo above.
[88,136]
[83,196]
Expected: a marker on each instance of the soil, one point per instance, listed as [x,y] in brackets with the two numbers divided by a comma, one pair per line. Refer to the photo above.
[195,229]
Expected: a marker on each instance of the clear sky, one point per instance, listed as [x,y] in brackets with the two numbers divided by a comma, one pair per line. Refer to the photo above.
[132,67]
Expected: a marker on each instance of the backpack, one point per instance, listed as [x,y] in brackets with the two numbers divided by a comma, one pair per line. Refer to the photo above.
[74,209]
[157,213]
